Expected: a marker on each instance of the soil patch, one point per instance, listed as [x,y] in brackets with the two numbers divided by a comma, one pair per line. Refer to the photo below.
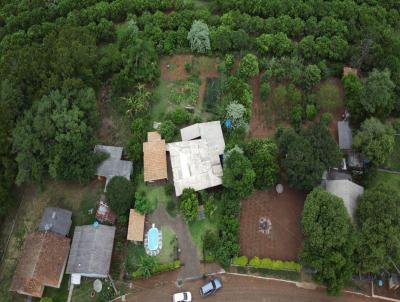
[173,67]
[284,239]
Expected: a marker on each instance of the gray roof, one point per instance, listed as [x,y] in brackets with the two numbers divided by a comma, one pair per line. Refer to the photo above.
[345,135]
[346,190]
[211,132]
[113,166]
[91,250]
[56,220]
[336,175]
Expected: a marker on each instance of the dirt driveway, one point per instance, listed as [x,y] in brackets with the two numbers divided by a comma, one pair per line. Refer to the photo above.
[244,289]
[282,211]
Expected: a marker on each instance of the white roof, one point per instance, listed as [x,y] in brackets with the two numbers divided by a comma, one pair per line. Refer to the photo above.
[211,132]
[194,165]
[346,190]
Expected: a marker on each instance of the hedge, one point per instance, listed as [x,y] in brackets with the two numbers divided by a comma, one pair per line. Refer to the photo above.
[161,268]
[267,263]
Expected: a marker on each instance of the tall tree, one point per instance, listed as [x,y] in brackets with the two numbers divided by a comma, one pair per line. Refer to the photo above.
[329,240]
[199,37]
[378,221]
[248,66]
[375,140]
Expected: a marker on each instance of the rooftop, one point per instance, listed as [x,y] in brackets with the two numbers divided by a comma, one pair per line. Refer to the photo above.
[154,158]
[345,135]
[211,132]
[41,264]
[195,165]
[56,220]
[113,165]
[346,190]
[91,250]
[136,226]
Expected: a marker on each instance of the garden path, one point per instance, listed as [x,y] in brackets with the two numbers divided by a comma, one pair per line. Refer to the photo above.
[189,255]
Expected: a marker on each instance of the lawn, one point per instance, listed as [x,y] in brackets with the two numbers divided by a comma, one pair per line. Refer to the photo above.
[73,197]
[393,162]
[198,229]
[168,252]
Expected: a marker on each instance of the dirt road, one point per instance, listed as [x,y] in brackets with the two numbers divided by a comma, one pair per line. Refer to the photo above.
[246,289]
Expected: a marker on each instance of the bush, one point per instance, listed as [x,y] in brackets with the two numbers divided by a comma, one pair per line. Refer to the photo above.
[229,61]
[119,194]
[168,130]
[297,115]
[188,67]
[265,89]
[248,66]
[141,204]
[189,204]
[46,299]
[242,260]
[326,118]
[179,116]
[158,268]
[311,112]
[255,261]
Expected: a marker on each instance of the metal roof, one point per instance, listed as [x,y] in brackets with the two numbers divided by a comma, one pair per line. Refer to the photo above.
[56,220]
[345,135]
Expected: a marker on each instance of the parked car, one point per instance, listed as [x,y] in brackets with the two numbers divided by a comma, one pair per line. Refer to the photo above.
[182,297]
[211,287]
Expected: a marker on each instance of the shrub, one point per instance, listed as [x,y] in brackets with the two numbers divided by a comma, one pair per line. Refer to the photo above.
[265,89]
[255,261]
[268,263]
[297,115]
[188,67]
[242,260]
[248,66]
[189,204]
[229,61]
[168,130]
[311,112]
[326,118]
[141,203]
[46,299]
[179,116]
[158,268]
[119,194]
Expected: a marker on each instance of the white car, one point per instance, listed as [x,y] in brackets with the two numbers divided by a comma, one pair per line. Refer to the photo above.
[182,297]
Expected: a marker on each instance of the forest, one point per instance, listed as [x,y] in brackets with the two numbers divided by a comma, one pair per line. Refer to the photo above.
[57,55]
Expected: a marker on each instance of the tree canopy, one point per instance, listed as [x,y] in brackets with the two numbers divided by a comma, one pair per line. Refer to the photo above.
[199,37]
[189,204]
[120,195]
[329,240]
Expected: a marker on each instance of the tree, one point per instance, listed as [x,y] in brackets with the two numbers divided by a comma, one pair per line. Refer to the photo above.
[312,76]
[378,221]
[239,175]
[56,136]
[375,140]
[328,243]
[199,37]
[119,195]
[248,66]
[353,93]
[189,204]
[236,113]
[378,99]
[179,116]
[263,155]
[168,130]
[141,204]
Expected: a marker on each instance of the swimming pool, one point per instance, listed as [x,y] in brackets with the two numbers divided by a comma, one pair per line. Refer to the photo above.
[152,239]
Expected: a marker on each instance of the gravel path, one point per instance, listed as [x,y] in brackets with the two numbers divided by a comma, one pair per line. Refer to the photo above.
[189,255]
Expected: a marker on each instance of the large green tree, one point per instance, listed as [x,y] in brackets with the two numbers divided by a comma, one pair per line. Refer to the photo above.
[239,175]
[199,37]
[329,240]
[263,155]
[375,140]
[56,137]
[120,194]
[248,66]
[378,221]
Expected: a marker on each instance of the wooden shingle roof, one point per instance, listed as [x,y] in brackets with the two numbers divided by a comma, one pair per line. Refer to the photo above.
[154,158]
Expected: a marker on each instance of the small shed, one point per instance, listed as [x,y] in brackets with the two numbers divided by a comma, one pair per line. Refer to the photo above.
[56,220]
[136,226]
[42,263]
[91,251]
[394,281]
[345,135]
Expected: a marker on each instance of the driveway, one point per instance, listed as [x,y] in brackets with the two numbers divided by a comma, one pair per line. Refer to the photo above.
[244,289]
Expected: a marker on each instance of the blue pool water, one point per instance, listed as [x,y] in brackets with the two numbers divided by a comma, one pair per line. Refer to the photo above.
[152,239]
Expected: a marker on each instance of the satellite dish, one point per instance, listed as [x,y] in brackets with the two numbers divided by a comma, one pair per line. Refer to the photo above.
[279,188]
[97,285]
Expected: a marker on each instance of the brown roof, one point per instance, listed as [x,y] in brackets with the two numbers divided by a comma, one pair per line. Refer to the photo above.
[42,263]
[136,226]
[154,158]
[349,70]
[153,136]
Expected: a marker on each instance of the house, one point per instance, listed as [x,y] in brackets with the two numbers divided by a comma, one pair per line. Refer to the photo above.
[154,158]
[104,214]
[345,135]
[197,160]
[91,252]
[56,220]
[42,263]
[113,165]
[135,227]
[346,190]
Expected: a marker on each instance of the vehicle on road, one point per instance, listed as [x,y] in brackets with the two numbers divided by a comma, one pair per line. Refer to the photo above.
[210,287]
[182,297]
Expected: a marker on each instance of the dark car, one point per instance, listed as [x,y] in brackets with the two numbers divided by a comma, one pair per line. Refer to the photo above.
[210,287]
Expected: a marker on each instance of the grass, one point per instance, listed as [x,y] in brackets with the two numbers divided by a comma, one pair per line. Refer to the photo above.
[390,179]
[393,162]
[212,94]
[154,193]
[134,253]
[329,97]
[168,251]
[198,229]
